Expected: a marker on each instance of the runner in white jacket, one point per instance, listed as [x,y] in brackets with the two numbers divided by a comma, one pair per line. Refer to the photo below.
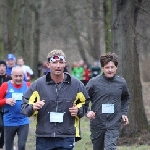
[27,70]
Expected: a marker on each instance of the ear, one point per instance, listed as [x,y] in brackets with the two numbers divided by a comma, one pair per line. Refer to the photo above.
[47,64]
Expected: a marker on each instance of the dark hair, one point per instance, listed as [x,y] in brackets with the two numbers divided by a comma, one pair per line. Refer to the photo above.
[105,59]
[3,62]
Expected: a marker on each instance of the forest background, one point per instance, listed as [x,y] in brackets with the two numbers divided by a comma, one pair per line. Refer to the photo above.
[85,30]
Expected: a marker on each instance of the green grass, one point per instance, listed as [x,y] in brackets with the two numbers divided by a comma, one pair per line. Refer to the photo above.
[84,144]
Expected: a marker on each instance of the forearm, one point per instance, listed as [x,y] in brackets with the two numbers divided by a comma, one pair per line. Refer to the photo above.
[2,102]
[26,109]
[124,107]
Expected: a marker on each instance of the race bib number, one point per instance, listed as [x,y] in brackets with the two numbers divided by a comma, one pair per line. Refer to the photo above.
[56,117]
[107,108]
[17,96]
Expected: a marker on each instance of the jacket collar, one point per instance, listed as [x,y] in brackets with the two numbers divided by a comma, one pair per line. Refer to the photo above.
[66,80]
[108,78]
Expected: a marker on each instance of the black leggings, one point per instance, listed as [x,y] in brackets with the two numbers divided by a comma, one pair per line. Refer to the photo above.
[11,131]
[2,137]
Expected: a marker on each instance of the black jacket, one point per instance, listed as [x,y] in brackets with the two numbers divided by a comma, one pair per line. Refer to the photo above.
[4,78]
[57,100]
[103,90]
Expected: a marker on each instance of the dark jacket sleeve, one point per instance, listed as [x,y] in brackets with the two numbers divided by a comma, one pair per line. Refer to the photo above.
[89,91]
[82,101]
[27,101]
[125,100]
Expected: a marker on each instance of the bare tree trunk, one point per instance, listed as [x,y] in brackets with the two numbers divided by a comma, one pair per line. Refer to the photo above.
[142,43]
[11,24]
[29,23]
[102,29]
[125,45]
[20,30]
[31,30]
[97,42]
[96,28]
[107,12]
[142,39]
[2,4]
[76,31]
[36,37]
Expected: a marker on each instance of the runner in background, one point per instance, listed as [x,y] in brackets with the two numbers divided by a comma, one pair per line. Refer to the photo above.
[95,69]
[86,74]
[45,68]
[3,78]
[77,70]
[39,68]
[10,63]
[27,70]
[15,123]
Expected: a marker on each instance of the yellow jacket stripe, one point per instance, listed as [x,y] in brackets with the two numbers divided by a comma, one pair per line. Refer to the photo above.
[82,99]
[33,99]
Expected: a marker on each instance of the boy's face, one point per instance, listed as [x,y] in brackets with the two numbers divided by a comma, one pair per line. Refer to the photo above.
[109,69]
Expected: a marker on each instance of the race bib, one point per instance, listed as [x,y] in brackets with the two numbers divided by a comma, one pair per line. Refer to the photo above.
[17,96]
[56,117]
[107,108]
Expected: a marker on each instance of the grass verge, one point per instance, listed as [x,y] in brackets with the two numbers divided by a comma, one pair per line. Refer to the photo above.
[84,144]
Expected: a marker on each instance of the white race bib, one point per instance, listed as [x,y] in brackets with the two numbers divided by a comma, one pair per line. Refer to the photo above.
[17,96]
[107,108]
[56,117]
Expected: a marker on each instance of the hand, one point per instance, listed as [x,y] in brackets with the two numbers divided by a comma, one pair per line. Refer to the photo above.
[10,101]
[73,110]
[38,105]
[125,120]
[91,115]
